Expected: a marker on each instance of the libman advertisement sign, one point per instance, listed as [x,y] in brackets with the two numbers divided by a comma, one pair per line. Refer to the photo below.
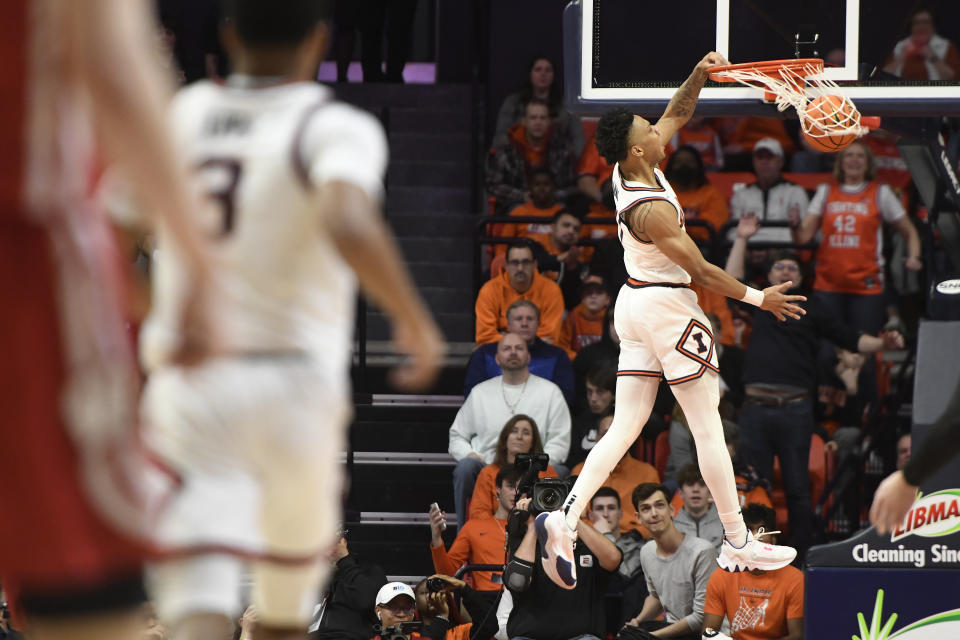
[926,537]
[904,585]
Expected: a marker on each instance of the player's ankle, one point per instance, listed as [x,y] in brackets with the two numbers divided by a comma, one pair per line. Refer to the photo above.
[737,538]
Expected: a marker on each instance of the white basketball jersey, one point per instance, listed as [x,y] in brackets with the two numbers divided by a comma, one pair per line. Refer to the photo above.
[644,262]
[262,156]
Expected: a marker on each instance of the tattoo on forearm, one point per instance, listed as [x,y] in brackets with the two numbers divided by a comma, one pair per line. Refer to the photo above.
[684,101]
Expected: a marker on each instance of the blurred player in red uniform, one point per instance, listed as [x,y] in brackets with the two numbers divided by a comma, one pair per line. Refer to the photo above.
[79,87]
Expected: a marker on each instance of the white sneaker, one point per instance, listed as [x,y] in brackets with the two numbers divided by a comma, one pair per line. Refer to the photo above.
[710,634]
[755,554]
[556,548]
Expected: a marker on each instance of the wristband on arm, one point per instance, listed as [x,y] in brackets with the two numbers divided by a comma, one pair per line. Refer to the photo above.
[753,296]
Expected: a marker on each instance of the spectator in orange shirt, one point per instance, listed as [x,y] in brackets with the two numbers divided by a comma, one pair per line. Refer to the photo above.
[760,605]
[593,175]
[700,199]
[583,326]
[519,281]
[624,478]
[519,435]
[542,204]
[480,540]
[698,133]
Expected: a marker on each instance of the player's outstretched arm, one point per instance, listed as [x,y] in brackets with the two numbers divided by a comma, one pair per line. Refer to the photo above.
[684,101]
[657,220]
[367,245]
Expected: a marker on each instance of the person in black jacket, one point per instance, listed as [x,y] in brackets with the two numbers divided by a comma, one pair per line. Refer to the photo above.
[346,610]
[779,378]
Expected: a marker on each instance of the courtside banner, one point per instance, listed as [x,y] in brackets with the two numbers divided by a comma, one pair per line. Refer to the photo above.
[929,537]
[882,604]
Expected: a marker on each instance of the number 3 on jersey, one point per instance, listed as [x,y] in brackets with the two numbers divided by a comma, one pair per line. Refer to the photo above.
[221,177]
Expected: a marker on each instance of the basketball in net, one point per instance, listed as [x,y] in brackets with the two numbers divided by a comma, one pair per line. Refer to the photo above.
[829,120]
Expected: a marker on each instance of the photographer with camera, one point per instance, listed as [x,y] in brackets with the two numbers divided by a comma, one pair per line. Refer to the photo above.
[480,540]
[541,609]
[395,608]
[435,601]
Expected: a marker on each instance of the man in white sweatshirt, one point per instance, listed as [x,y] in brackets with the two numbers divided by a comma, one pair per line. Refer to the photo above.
[474,432]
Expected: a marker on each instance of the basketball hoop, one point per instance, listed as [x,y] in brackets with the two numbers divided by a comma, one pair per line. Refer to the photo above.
[823,109]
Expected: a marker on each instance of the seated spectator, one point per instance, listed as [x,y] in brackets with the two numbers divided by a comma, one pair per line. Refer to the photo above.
[698,133]
[677,567]
[480,540]
[345,610]
[850,216]
[770,198]
[700,199]
[395,603]
[519,435]
[599,355]
[474,432]
[584,432]
[628,473]
[545,611]
[546,360]
[605,514]
[583,326]
[593,176]
[542,204]
[439,616]
[739,135]
[780,377]
[541,83]
[751,486]
[760,605]
[520,281]
[698,516]
[531,144]
[924,55]
[903,451]
[565,260]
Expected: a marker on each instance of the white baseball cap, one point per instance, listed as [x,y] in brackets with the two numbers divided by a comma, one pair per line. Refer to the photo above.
[770,144]
[391,590]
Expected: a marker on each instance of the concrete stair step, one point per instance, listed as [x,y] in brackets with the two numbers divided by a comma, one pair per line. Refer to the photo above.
[447,146]
[430,173]
[406,198]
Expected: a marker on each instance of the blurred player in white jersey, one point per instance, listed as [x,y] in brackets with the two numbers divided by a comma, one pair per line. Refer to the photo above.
[253,437]
[663,333]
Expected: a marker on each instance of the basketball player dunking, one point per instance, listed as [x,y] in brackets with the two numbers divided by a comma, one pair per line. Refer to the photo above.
[663,333]
[255,435]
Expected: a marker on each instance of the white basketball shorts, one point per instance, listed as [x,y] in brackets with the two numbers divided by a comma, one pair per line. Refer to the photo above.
[663,332]
[252,445]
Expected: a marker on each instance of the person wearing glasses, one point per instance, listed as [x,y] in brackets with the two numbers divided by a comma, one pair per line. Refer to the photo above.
[779,377]
[520,281]
[395,603]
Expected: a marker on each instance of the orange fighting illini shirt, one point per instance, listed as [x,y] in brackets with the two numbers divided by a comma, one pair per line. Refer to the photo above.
[850,256]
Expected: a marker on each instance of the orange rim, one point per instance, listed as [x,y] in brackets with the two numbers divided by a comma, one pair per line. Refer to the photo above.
[800,66]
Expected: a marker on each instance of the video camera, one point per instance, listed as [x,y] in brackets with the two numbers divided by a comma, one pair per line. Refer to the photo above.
[546,494]
[401,630]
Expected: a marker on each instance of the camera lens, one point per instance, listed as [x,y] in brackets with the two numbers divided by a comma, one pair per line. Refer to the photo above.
[551,499]
[435,585]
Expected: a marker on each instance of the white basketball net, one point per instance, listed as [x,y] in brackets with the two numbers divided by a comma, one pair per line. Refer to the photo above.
[793,89]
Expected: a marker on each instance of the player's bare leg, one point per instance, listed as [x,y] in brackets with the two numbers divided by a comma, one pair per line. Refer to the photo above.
[557,530]
[699,399]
